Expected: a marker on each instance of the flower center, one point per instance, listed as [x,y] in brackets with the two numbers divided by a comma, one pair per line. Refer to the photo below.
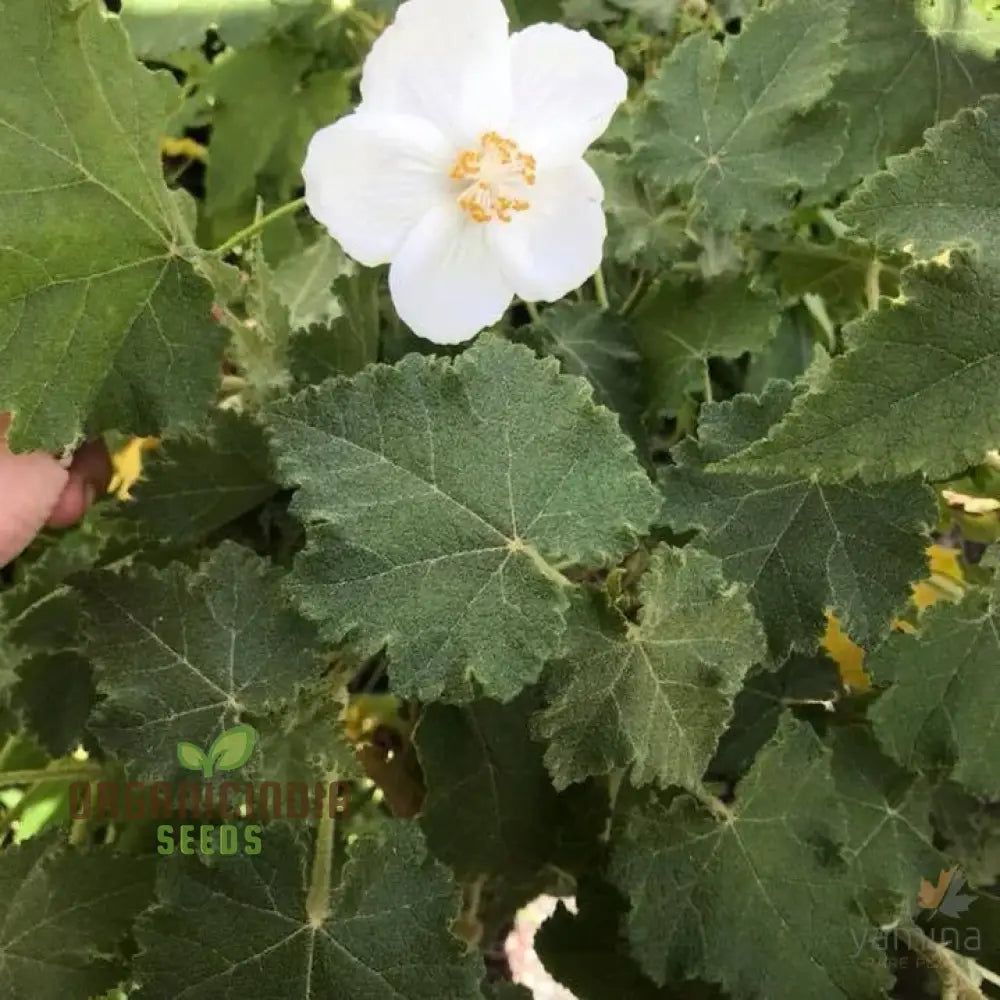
[498,176]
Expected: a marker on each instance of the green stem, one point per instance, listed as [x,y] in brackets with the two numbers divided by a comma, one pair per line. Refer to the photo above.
[67,772]
[533,312]
[601,290]
[257,225]
[872,287]
[708,384]
[638,290]
[318,896]
[954,979]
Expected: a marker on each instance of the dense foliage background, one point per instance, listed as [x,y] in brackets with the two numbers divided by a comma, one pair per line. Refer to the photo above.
[677,596]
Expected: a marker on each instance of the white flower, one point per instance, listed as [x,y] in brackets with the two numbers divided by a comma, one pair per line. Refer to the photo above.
[463,165]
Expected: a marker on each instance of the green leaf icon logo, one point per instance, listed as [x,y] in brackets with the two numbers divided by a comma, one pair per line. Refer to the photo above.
[231,750]
[233,747]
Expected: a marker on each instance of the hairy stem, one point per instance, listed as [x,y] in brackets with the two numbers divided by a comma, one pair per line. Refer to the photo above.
[955,980]
[70,771]
[257,225]
[318,897]
[601,290]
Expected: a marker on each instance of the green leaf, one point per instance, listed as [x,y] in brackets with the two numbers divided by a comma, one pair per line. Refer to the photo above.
[741,124]
[66,918]
[102,321]
[656,695]
[599,346]
[304,741]
[788,918]
[577,13]
[939,196]
[192,757]
[970,832]
[232,747]
[889,836]
[917,389]
[802,681]
[801,546]
[351,341]
[939,712]
[158,28]
[194,484]
[679,329]
[180,654]
[490,806]
[304,282]
[252,92]
[641,230]
[787,355]
[55,696]
[261,925]
[438,495]
[901,77]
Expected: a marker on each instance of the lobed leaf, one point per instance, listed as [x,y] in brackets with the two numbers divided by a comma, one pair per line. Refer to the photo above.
[939,712]
[380,934]
[745,124]
[655,696]
[788,917]
[940,196]
[902,75]
[800,545]
[917,388]
[103,322]
[437,498]
[180,654]
[66,918]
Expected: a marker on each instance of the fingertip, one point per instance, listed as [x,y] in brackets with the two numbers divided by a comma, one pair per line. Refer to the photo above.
[72,504]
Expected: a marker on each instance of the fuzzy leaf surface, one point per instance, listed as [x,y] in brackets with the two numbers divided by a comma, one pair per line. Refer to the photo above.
[801,546]
[194,484]
[939,712]
[437,494]
[65,917]
[789,916]
[657,695]
[601,348]
[382,933]
[900,77]
[490,805]
[180,654]
[889,835]
[939,196]
[742,124]
[101,319]
[679,329]
[917,389]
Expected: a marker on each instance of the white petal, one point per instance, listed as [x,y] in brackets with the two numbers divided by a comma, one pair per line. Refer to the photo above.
[444,60]
[556,244]
[370,178]
[446,281]
[566,88]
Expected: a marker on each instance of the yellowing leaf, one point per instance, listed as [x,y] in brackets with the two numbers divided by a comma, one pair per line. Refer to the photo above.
[846,653]
[946,580]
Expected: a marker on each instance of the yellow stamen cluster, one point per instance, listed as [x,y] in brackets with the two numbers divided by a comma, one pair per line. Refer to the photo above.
[498,174]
